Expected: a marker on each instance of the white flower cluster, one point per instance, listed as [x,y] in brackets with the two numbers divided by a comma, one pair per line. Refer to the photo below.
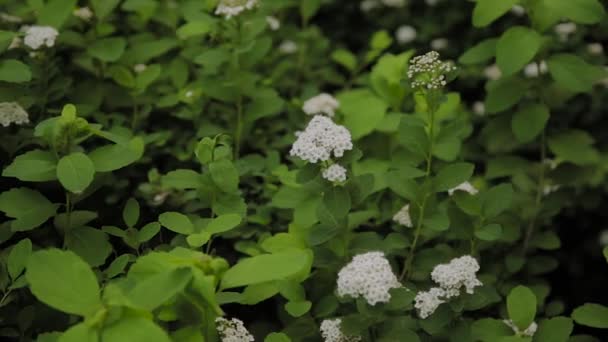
[83,13]
[529,332]
[330,330]
[492,72]
[368,275]
[139,68]
[232,8]
[321,138]
[518,10]
[288,47]
[405,34]
[403,216]
[534,70]
[11,19]
[335,173]
[439,44]
[232,330]
[273,23]
[466,187]
[595,48]
[479,108]
[321,104]
[12,113]
[564,30]
[428,71]
[451,277]
[38,36]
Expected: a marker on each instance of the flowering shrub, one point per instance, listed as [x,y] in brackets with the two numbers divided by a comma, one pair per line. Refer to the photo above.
[319,170]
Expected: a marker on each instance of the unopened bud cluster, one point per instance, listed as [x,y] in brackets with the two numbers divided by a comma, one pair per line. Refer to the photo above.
[428,71]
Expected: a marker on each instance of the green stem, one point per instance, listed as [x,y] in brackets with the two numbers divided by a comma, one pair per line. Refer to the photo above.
[539,193]
[6,294]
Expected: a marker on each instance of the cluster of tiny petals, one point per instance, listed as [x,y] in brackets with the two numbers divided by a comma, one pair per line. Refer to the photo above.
[288,47]
[335,173]
[458,273]
[426,302]
[405,34]
[331,332]
[321,139]
[38,36]
[12,113]
[403,216]
[233,330]
[368,275]
[466,187]
[428,71]
[273,22]
[528,332]
[83,13]
[321,104]
[232,8]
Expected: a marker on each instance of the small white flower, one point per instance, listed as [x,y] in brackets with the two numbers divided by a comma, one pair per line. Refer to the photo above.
[403,216]
[38,36]
[492,72]
[564,30]
[518,10]
[321,104]
[405,34]
[466,187]
[83,13]
[331,332]
[458,273]
[394,3]
[139,68]
[273,23]
[189,94]
[533,70]
[428,71]
[439,44]
[368,5]
[335,173]
[368,275]
[426,302]
[479,108]
[321,139]
[529,332]
[12,113]
[595,48]
[232,8]
[288,47]
[10,19]
[232,330]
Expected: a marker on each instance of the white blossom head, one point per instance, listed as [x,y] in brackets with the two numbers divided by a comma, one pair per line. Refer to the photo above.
[331,332]
[405,34]
[232,8]
[534,70]
[273,23]
[12,113]
[38,36]
[368,275]
[139,68]
[528,332]
[83,13]
[595,49]
[335,173]
[403,216]
[564,30]
[428,71]
[321,104]
[458,273]
[426,302]
[288,47]
[479,108]
[232,330]
[518,10]
[466,187]
[439,44]
[492,72]
[394,3]
[321,140]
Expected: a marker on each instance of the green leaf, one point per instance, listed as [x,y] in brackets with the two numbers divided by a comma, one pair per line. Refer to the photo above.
[113,157]
[63,281]
[13,71]
[107,49]
[28,207]
[591,315]
[182,179]
[195,28]
[75,172]
[277,337]
[103,8]
[147,77]
[453,175]
[79,333]
[117,266]
[309,8]
[363,111]
[556,329]
[491,232]
[17,258]
[176,222]
[56,12]
[516,48]
[413,136]
[223,223]
[574,146]
[198,240]
[573,73]
[33,166]
[486,11]
[521,305]
[504,94]
[530,121]
[496,200]
[345,58]
[156,290]
[266,267]
[134,329]
[490,330]
[297,309]
[130,213]
[148,232]
[579,11]
[224,175]
[204,150]
[90,244]
[479,53]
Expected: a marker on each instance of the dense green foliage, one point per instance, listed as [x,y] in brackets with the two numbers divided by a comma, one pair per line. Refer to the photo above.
[149,184]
